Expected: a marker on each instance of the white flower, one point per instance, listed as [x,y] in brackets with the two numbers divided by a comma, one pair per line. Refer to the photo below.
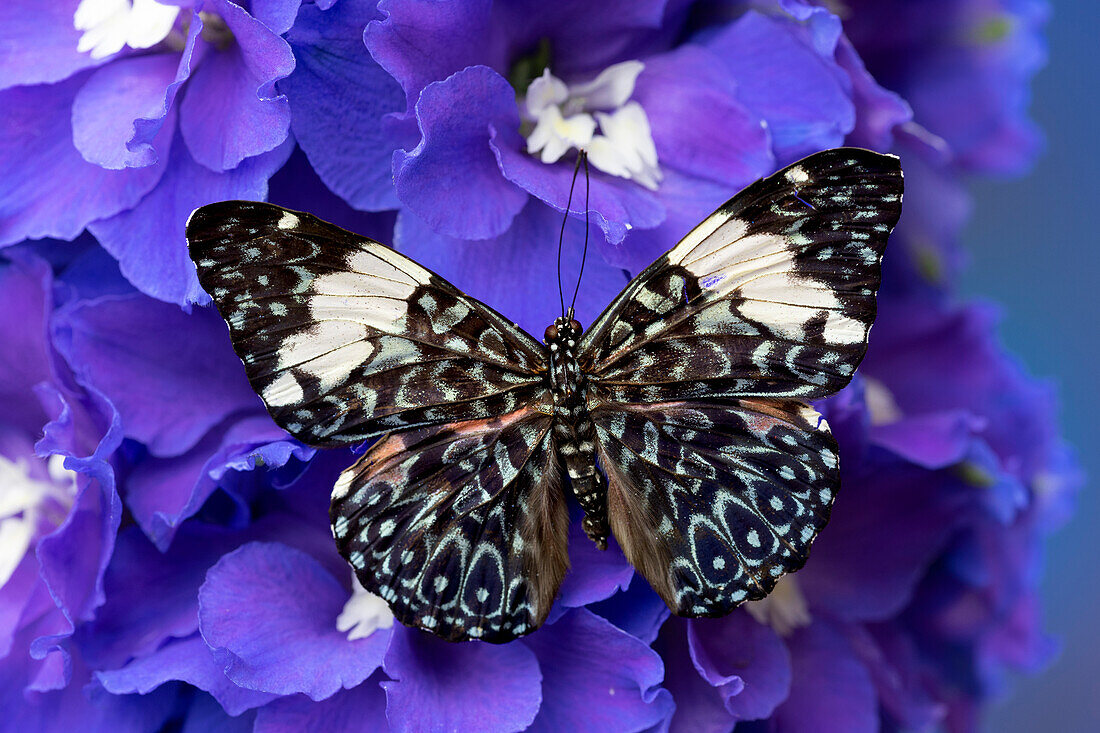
[784,609]
[597,117]
[25,502]
[109,25]
[364,613]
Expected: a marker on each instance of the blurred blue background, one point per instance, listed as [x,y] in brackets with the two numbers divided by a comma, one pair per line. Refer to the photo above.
[1034,248]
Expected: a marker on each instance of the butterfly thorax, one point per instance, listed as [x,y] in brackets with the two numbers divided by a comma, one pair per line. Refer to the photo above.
[574,433]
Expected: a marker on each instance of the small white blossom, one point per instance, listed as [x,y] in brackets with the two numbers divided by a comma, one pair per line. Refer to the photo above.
[109,25]
[25,502]
[881,406]
[784,609]
[364,613]
[597,117]
[626,148]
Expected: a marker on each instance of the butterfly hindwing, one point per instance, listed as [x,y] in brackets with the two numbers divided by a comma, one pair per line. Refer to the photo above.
[713,503]
[461,528]
[345,339]
[772,296]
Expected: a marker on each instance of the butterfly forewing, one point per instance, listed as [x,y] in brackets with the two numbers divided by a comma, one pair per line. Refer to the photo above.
[771,296]
[345,339]
[461,528]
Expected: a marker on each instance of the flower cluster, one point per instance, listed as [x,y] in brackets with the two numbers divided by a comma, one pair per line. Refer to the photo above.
[165,556]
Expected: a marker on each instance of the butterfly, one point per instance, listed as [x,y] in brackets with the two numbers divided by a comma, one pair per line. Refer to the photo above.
[679,420]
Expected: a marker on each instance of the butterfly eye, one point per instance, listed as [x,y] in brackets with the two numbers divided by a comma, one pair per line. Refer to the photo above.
[551,333]
[575,325]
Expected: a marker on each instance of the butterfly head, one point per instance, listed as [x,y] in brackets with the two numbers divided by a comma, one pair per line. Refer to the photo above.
[563,330]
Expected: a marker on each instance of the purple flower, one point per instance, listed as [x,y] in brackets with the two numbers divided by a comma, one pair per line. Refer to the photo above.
[123,119]
[60,505]
[165,554]
[965,67]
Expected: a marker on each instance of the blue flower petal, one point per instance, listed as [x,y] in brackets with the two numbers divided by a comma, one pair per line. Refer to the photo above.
[191,661]
[781,76]
[594,574]
[437,685]
[39,43]
[699,126]
[420,41]
[343,106]
[120,111]
[46,188]
[148,240]
[169,391]
[744,660]
[522,283]
[597,677]
[270,613]
[893,518]
[231,110]
[829,683]
[451,179]
[348,711]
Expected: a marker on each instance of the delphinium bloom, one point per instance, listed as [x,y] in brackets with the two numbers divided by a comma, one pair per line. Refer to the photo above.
[122,118]
[166,556]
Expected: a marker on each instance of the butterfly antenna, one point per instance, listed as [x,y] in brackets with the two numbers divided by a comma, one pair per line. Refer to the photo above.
[565,218]
[584,255]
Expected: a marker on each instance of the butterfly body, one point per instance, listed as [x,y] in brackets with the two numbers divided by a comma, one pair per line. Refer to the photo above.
[680,419]
[574,431]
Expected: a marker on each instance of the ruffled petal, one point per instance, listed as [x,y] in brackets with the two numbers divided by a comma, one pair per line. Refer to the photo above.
[162,493]
[889,523]
[269,611]
[189,660]
[169,391]
[25,306]
[638,610]
[793,84]
[451,179]
[934,440]
[745,661]
[348,711]
[279,15]
[699,126]
[597,677]
[46,188]
[107,105]
[594,574]
[342,106]
[419,42]
[830,686]
[119,112]
[231,111]
[148,240]
[700,706]
[470,686]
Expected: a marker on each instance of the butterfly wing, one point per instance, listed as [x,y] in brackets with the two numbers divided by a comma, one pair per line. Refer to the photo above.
[772,296]
[345,339]
[461,528]
[712,503]
[720,475]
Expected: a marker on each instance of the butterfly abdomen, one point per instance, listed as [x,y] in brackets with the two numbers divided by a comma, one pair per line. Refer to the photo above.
[574,433]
